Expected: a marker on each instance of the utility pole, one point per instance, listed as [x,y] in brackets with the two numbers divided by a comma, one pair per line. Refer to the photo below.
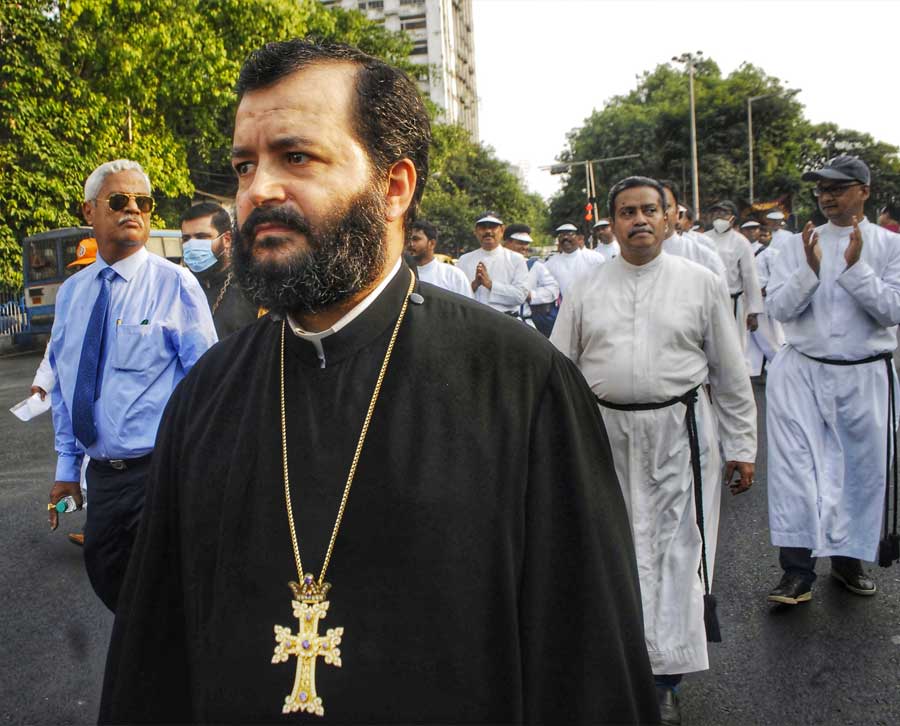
[588,164]
[690,59]
[750,101]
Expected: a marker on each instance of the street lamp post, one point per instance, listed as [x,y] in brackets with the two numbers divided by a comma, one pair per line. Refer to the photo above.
[690,59]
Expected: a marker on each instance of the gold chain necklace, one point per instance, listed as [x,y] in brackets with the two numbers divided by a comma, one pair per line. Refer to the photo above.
[222,292]
[309,603]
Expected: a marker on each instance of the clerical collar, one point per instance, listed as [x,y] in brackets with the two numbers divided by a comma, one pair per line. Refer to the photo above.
[498,250]
[843,230]
[315,339]
[640,269]
[427,265]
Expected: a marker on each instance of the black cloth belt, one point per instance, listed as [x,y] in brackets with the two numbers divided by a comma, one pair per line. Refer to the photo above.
[511,313]
[734,299]
[889,547]
[120,464]
[689,399]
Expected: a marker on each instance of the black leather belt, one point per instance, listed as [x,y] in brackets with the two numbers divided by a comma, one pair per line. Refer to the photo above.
[689,399]
[889,547]
[120,464]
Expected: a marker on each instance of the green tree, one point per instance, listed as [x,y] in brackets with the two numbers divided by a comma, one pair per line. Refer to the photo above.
[653,121]
[466,179]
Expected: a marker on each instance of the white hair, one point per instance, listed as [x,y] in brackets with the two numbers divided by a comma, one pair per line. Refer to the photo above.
[95,181]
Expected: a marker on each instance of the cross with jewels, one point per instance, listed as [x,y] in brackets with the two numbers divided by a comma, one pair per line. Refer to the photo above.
[309,607]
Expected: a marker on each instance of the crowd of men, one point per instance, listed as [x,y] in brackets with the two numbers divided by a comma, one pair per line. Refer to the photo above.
[572,480]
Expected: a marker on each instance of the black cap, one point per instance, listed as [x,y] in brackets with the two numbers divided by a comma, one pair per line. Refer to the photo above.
[727,205]
[841,168]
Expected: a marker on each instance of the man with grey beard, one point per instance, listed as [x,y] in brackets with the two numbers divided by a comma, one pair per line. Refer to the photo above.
[446,555]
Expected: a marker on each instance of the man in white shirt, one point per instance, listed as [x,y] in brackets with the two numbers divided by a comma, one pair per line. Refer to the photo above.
[775,222]
[680,244]
[497,277]
[764,342]
[831,415]
[421,245]
[571,261]
[540,307]
[743,285]
[750,230]
[605,243]
[665,331]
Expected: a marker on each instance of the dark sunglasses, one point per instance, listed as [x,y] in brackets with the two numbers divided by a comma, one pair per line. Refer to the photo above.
[119,201]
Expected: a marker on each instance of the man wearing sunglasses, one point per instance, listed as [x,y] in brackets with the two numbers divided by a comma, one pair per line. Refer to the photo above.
[127,330]
[836,289]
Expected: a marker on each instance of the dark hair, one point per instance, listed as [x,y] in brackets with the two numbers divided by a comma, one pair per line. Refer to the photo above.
[892,211]
[389,117]
[631,182]
[427,228]
[221,220]
[512,229]
[670,185]
[689,212]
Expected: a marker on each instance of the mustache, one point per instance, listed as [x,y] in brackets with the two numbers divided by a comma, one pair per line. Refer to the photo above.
[639,230]
[282,216]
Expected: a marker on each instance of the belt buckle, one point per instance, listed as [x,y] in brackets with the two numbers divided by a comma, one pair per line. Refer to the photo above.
[118,464]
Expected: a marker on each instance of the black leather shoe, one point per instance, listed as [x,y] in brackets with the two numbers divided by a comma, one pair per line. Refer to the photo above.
[854,579]
[669,708]
[792,590]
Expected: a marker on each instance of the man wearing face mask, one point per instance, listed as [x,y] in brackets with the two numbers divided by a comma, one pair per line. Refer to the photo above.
[736,253]
[206,242]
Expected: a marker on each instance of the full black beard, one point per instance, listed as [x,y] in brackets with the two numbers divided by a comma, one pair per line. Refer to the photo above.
[345,255]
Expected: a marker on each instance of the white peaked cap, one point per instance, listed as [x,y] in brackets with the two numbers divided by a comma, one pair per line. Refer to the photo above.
[749,225]
[567,228]
[775,215]
[601,223]
[521,237]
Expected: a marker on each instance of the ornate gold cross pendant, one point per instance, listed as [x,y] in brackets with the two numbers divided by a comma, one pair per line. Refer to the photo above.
[309,607]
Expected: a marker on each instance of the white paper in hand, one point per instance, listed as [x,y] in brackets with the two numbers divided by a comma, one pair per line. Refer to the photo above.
[31,407]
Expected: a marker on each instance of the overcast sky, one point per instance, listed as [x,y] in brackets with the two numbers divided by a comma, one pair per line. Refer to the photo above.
[542,66]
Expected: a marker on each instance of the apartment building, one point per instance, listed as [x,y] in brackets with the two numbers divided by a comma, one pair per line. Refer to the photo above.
[443,45]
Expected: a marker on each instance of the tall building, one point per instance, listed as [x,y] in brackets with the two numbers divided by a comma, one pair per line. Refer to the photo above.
[443,45]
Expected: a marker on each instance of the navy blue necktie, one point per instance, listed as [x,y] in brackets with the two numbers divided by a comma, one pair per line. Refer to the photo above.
[83,424]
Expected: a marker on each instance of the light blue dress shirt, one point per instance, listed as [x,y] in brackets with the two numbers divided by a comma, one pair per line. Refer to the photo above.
[158,325]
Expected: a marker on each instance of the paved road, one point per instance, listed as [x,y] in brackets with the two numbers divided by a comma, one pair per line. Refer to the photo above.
[833,661]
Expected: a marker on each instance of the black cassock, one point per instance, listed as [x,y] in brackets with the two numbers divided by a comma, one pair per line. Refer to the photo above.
[484,571]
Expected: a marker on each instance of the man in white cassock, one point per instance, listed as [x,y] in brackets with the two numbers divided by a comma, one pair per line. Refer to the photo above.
[830,390]
[497,277]
[571,261]
[743,285]
[775,223]
[541,306]
[750,230]
[667,328]
[605,243]
[767,339]
[420,246]
[680,244]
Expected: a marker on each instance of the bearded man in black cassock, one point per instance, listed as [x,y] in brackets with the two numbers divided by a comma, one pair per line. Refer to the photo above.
[481,563]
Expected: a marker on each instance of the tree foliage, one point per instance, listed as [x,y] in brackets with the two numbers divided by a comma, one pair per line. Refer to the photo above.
[467,179]
[653,120]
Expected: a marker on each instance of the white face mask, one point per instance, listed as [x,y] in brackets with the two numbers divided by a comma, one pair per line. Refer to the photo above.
[721,225]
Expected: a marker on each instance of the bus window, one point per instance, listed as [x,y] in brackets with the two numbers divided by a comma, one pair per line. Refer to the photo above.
[42,260]
[69,254]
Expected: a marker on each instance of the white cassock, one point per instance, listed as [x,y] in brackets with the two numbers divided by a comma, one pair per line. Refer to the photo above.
[541,285]
[780,237]
[701,238]
[683,246]
[508,273]
[827,424]
[743,284]
[566,268]
[446,276]
[756,248]
[767,339]
[607,251]
[666,327]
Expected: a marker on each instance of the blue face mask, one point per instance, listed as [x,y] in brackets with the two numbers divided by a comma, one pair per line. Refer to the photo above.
[198,255]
